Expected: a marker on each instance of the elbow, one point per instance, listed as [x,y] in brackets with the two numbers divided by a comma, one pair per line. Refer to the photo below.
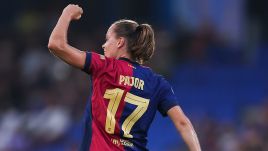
[51,45]
[56,45]
[184,123]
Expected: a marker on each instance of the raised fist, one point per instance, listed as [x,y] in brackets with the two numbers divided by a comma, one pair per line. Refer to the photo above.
[74,11]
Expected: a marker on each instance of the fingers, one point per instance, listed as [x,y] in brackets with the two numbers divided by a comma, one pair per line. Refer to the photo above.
[75,6]
[80,9]
[78,17]
[75,11]
[79,13]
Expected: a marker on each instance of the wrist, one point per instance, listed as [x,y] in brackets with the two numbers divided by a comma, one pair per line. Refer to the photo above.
[66,16]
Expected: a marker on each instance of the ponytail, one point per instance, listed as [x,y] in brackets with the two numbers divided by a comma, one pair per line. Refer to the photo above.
[140,39]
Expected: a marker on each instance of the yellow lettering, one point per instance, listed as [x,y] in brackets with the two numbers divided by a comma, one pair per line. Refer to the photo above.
[141,84]
[116,142]
[136,84]
[122,78]
[126,80]
[114,97]
[132,82]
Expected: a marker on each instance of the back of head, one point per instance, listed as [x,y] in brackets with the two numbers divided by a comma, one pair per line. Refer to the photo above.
[140,39]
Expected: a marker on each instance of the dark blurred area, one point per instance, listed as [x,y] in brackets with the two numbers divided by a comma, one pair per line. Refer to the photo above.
[213,52]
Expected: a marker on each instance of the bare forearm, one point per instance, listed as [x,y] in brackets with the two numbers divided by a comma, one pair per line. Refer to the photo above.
[59,33]
[58,43]
[189,136]
[184,126]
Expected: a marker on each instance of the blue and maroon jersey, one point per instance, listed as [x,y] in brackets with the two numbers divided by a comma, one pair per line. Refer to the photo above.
[124,99]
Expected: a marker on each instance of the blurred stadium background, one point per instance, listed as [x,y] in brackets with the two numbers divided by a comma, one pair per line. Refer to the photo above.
[213,52]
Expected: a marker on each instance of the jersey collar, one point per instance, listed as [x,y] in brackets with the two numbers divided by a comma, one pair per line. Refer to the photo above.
[128,60]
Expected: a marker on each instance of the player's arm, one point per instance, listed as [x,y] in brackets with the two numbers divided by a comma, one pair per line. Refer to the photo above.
[58,44]
[184,126]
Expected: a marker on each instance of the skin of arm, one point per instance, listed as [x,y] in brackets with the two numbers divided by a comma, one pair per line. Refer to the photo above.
[184,126]
[58,44]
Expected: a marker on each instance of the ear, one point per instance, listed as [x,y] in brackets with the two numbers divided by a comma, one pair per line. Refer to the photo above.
[121,42]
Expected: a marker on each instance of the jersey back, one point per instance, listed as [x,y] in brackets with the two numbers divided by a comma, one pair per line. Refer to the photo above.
[124,99]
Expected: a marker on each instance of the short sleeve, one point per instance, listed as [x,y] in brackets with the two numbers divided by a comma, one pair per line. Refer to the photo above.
[167,98]
[94,63]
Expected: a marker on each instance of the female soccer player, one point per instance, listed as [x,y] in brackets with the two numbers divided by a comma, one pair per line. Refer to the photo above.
[125,95]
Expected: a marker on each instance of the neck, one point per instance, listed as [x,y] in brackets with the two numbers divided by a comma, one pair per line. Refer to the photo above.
[124,55]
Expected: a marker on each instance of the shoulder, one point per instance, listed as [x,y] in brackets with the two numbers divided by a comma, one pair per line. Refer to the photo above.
[158,78]
[98,56]
[96,63]
[162,81]
[101,58]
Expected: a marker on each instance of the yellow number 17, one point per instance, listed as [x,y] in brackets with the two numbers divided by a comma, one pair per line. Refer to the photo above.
[115,96]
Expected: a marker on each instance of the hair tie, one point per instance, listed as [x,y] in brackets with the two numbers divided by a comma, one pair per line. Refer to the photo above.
[138,28]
